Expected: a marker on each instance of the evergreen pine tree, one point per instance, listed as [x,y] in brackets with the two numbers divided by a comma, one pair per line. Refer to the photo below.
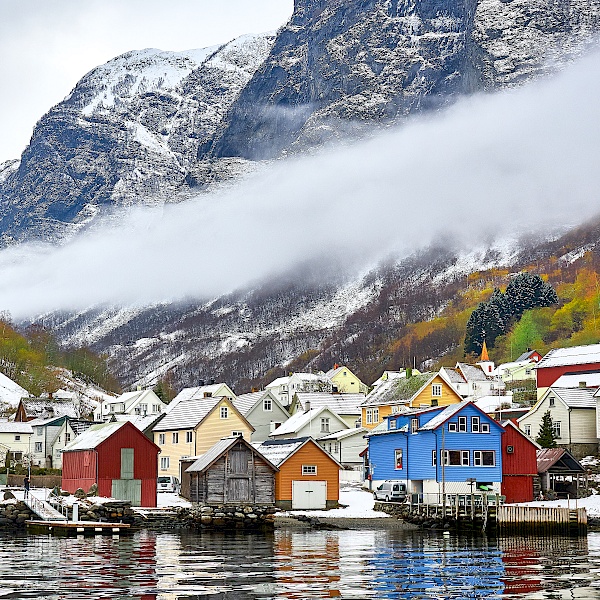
[546,437]
[527,291]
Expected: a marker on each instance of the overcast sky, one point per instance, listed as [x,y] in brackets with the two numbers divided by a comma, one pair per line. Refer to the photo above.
[46,46]
[492,165]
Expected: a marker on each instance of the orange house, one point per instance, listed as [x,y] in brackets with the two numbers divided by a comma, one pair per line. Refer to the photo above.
[308,478]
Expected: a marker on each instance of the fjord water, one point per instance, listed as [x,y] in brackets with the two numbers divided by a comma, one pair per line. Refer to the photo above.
[298,565]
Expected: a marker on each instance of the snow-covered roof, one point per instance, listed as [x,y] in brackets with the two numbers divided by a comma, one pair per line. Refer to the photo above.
[344,433]
[186,414]
[213,389]
[577,355]
[213,453]
[342,404]
[245,402]
[489,404]
[51,408]
[572,380]
[527,356]
[454,375]
[296,422]
[15,427]
[472,372]
[575,397]
[10,391]
[390,375]
[94,436]
[142,422]
[278,451]
[398,391]
[446,414]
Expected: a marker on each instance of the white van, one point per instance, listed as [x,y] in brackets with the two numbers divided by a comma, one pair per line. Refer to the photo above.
[168,483]
[391,491]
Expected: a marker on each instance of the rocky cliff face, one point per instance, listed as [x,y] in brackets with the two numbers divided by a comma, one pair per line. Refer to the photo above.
[340,65]
[128,133]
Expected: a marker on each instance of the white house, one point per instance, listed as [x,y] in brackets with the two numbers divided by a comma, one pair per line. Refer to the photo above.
[16,437]
[346,406]
[139,402]
[346,446]
[315,423]
[284,388]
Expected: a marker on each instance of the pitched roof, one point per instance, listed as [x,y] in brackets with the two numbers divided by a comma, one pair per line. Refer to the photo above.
[577,355]
[575,397]
[526,356]
[342,404]
[188,413]
[15,427]
[278,451]
[198,392]
[344,433]
[559,460]
[398,391]
[472,372]
[454,375]
[49,407]
[300,419]
[446,414]
[215,452]
[572,380]
[94,436]
[245,402]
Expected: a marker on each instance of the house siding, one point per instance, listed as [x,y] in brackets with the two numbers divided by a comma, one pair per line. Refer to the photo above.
[291,470]
[546,376]
[425,396]
[261,420]
[519,468]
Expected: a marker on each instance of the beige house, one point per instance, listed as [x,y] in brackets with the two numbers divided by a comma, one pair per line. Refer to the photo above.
[573,412]
[193,426]
[345,381]
[15,439]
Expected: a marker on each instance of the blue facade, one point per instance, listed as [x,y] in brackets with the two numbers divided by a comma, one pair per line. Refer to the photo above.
[452,444]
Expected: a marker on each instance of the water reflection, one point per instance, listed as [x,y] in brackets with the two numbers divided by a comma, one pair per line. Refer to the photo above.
[302,565]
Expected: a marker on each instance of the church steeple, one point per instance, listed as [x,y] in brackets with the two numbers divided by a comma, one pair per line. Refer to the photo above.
[485,363]
[485,357]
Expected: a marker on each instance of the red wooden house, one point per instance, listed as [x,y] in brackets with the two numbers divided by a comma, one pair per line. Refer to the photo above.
[559,361]
[519,464]
[118,457]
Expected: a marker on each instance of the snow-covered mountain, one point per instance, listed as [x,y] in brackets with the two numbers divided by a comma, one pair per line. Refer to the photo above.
[128,133]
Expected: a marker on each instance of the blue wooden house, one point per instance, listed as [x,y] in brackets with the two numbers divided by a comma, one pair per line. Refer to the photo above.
[452,450]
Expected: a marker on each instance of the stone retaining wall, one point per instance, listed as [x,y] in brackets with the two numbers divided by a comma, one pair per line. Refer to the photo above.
[13,515]
[229,517]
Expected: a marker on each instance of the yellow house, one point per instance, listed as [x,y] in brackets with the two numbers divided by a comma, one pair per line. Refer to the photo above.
[345,381]
[193,426]
[419,391]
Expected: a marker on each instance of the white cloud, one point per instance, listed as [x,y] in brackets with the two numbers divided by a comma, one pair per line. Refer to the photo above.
[519,160]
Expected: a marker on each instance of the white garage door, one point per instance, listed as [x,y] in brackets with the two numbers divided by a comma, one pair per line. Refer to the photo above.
[309,494]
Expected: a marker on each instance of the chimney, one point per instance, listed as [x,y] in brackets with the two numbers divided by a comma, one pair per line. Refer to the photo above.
[582,384]
[211,382]
[254,389]
[202,383]
[207,394]
[50,395]
[335,366]
[307,406]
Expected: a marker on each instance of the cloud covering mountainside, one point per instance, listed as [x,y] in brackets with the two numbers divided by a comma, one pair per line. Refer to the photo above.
[493,165]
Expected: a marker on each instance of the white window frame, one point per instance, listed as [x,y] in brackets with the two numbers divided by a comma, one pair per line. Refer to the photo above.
[189,437]
[175,437]
[268,405]
[462,424]
[309,470]
[527,430]
[478,458]
[164,463]
[398,456]
[436,390]
[392,424]
[224,412]
[161,439]
[434,458]
[557,429]
[325,423]
[414,425]
[452,427]
[39,447]
[475,425]
[485,428]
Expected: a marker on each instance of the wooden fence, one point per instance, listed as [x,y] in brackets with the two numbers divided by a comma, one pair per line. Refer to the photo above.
[541,520]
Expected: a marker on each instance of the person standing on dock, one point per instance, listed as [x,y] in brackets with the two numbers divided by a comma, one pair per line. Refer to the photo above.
[26,486]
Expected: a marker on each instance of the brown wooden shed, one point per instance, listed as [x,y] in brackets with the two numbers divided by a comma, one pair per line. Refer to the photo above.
[232,472]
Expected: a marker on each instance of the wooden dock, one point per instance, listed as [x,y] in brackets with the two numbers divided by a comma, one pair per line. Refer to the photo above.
[541,520]
[63,528]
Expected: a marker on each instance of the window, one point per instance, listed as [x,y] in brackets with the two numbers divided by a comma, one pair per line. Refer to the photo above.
[434,402]
[398,459]
[40,430]
[67,438]
[484,458]
[527,429]
[144,409]
[393,424]
[164,463]
[414,425]
[189,436]
[556,429]
[551,401]
[485,428]
[161,439]
[18,438]
[462,424]
[224,412]
[38,446]
[475,424]
[325,425]
[156,408]
[336,447]
[309,469]
[456,458]
[436,389]
[267,404]
[176,437]
[237,433]
[372,415]
[433,458]
[452,427]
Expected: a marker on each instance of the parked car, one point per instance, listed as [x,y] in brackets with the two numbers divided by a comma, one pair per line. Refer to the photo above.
[391,491]
[168,483]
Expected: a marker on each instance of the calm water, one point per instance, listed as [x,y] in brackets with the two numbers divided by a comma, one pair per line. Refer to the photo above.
[297,565]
